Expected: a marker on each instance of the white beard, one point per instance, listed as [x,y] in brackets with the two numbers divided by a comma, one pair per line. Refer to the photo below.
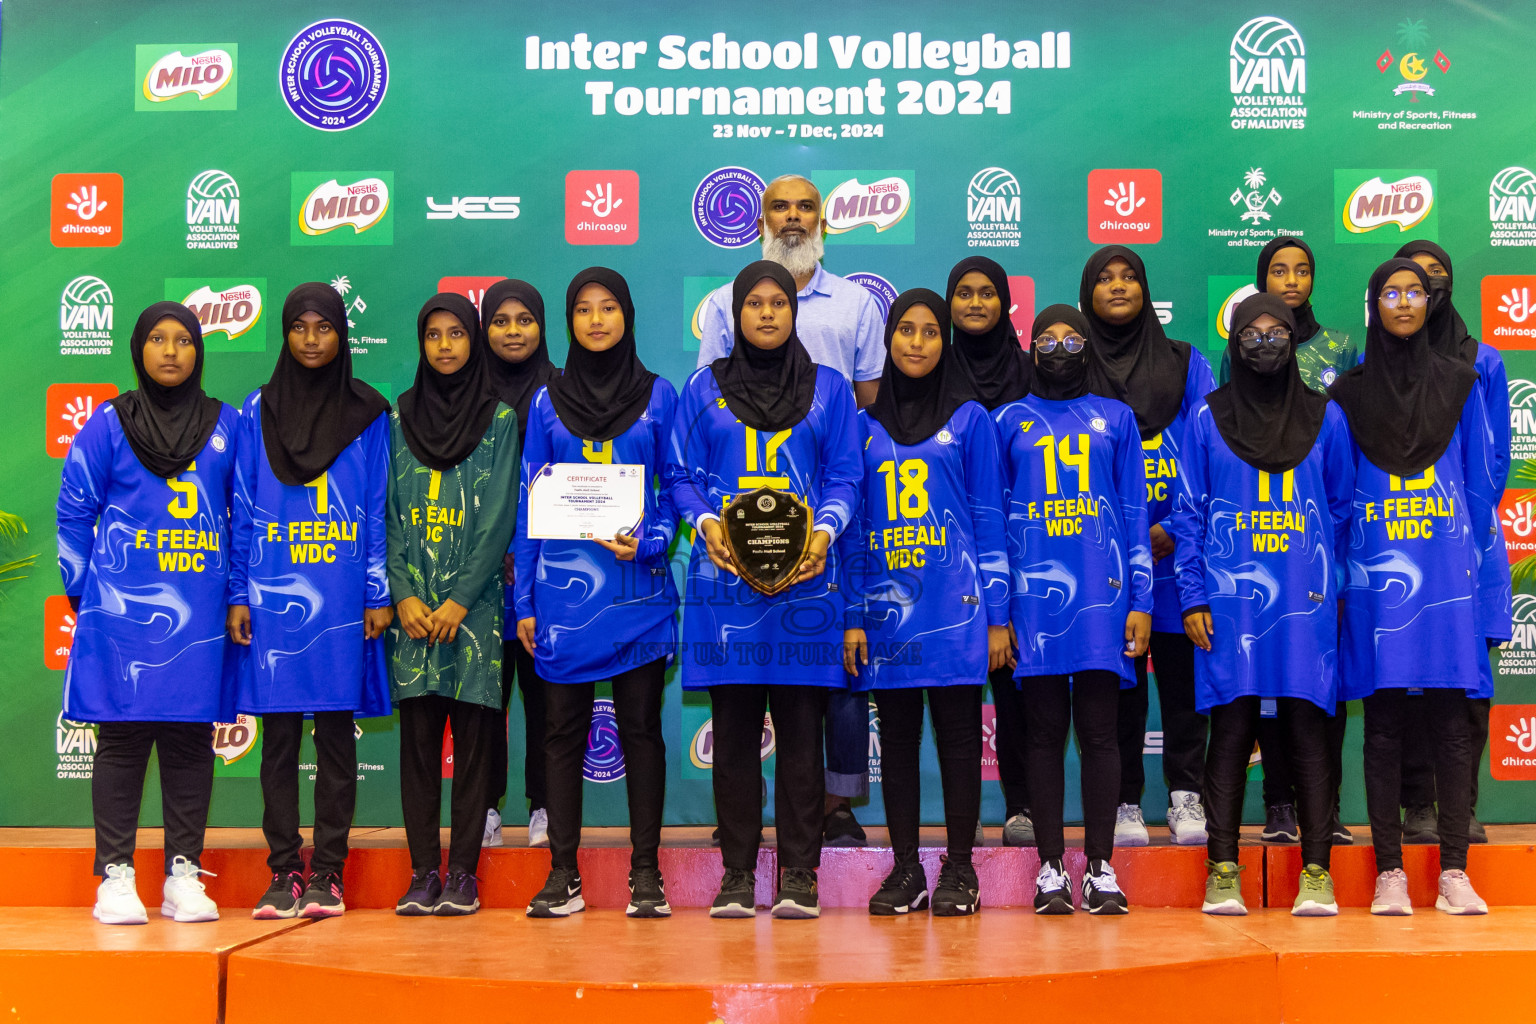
[795,255]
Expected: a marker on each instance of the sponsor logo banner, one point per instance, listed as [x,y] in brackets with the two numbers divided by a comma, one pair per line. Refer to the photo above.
[342,209]
[86,210]
[58,631]
[1021,314]
[884,292]
[1254,202]
[186,76]
[993,205]
[698,726]
[1125,206]
[237,748]
[695,291]
[1412,70]
[228,308]
[334,75]
[74,744]
[213,212]
[473,208]
[1512,208]
[727,205]
[1512,742]
[1223,293]
[66,408]
[604,760]
[867,207]
[602,207]
[1522,419]
[472,288]
[85,318]
[1509,311]
[359,340]
[1385,207]
[1267,72]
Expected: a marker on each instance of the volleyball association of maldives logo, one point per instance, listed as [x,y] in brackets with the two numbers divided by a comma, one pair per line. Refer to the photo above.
[1522,419]
[334,75]
[726,206]
[1512,208]
[604,760]
[1267,68]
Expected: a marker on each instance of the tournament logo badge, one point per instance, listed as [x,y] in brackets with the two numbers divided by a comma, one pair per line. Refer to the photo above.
[229,310]
[213,212]
[727,205]
[87,210]
[1512,208]
[85,318]
[1370,200]
[58,631]
[1509,311]
[186,76]
[604,760]
[882,204]
[66,408]
[334,75]
[883,291]
[1267,68]
[342,210]
[992,209]
[1125,205]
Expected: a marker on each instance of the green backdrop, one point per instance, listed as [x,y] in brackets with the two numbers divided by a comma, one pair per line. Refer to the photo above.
[1191,130]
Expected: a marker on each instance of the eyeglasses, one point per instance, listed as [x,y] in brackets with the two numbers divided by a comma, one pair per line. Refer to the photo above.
[1251,338]
[1416,297]
[1072,343]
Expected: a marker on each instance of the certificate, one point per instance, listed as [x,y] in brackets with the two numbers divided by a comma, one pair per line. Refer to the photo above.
[584,500]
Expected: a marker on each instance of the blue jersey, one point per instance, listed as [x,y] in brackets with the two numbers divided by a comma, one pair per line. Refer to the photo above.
[1263,551]
[926,563]
[308,560]
[1495,599]
[596,616]
[1077,532]
[1411,613]
[1162,454]
[732,633]
[148,560]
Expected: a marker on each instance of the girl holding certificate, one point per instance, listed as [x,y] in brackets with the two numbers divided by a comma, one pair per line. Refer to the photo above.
[598,609]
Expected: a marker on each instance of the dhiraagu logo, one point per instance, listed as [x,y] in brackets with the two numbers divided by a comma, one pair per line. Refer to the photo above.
[342,208]
[186,76]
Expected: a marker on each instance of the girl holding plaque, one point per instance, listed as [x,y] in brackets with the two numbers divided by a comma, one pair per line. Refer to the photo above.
[453,484]
[763,622]
[594,609]
[926,568]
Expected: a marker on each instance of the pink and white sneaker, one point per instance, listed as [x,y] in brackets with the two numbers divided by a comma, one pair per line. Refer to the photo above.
[1391,899]
[1457,895]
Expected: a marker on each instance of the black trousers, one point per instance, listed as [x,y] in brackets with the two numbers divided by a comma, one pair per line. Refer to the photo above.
[185,751]
[799,781]
[1418,759]
[421,778]
[514,659]
[1279,776]
[1184,728]
[1088,702]
[335,789]
[1234,726]
[1008,739]
[1450,740]
[637,713]
[956,713]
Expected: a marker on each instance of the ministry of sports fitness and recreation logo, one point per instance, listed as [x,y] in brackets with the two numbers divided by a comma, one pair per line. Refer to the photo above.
[1512,208]
[726,206]
[85,318]
[1267,68]
[867,207]
[1255,201]
[356,306]
[1509,311]
[213,212]
[604,760]
[228,308]
[334,75]
[186,76]
[1369,201]
[1413,66]
[66,408]
[342,209]
[992,209]
[1412,71]
[883,291]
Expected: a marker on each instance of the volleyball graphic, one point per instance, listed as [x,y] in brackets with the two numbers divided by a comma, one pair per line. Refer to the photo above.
[1513,181]
[213,185]
[604,761]
[726,206]
[1267,36]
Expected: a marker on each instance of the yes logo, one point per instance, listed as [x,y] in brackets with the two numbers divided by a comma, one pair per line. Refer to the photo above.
[1512,742]
[67,407]
[1509,310]
[602,207]
[87,210]
[1125,206]
[186,77]
[58,631]
[351,209]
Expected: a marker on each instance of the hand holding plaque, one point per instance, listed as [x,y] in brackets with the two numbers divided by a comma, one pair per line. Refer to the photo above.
[768,534]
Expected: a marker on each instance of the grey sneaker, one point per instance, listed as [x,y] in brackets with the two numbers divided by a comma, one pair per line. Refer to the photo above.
[1130,826]
[1391,899]
[1457,895]
[1224,889]
[1019,830]
[1186,819]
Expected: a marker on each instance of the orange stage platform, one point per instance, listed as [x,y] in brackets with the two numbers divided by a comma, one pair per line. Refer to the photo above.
[371,965]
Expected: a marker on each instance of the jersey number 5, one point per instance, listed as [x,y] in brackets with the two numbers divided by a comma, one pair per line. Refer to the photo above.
[184,505]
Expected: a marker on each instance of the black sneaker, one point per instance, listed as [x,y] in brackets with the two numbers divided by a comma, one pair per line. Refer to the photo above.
[1280,824]
[1475,831]
[841,828]
[796,897]
[904,890]
[1420,826]
[323,896]
[738,895]
[647,897]
[1101,891]
[1053,889]
[958,894]
[281,900]
[421,896]
[1342,836]
[560,897]
[461,895]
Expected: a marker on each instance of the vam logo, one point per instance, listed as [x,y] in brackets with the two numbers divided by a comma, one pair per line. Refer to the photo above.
[1512,208]
[1522,419]
[186,76]
[1267,69]
[992,207]
[85,317]
[325,204]
[75,745]
[1370,200]
[213,212]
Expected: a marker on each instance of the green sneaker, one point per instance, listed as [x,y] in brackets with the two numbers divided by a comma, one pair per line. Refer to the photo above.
[1223,890]
[1315,899]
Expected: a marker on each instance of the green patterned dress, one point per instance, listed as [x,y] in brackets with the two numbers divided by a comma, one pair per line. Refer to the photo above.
[448,532]
[1320,359]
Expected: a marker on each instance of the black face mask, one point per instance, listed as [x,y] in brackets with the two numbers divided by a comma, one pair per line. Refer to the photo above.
[1266,358]
[1060,366]
[1439,291]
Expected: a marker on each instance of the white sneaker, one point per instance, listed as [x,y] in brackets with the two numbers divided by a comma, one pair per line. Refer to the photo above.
[538,828]
[492,835]
[1186,818]
[1130,827]
[185,898]
[117,901]
[1457,895]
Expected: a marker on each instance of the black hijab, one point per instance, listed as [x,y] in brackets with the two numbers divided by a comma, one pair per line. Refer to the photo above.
[166,426]
[767,389]
[444,416]
[308,417]
[1448,332]
[995,364]
[912,409]
[1404,401]
[601,394]
[1306,322]
[1134,362]
[1269,420]
[517,383]
[1061,377]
